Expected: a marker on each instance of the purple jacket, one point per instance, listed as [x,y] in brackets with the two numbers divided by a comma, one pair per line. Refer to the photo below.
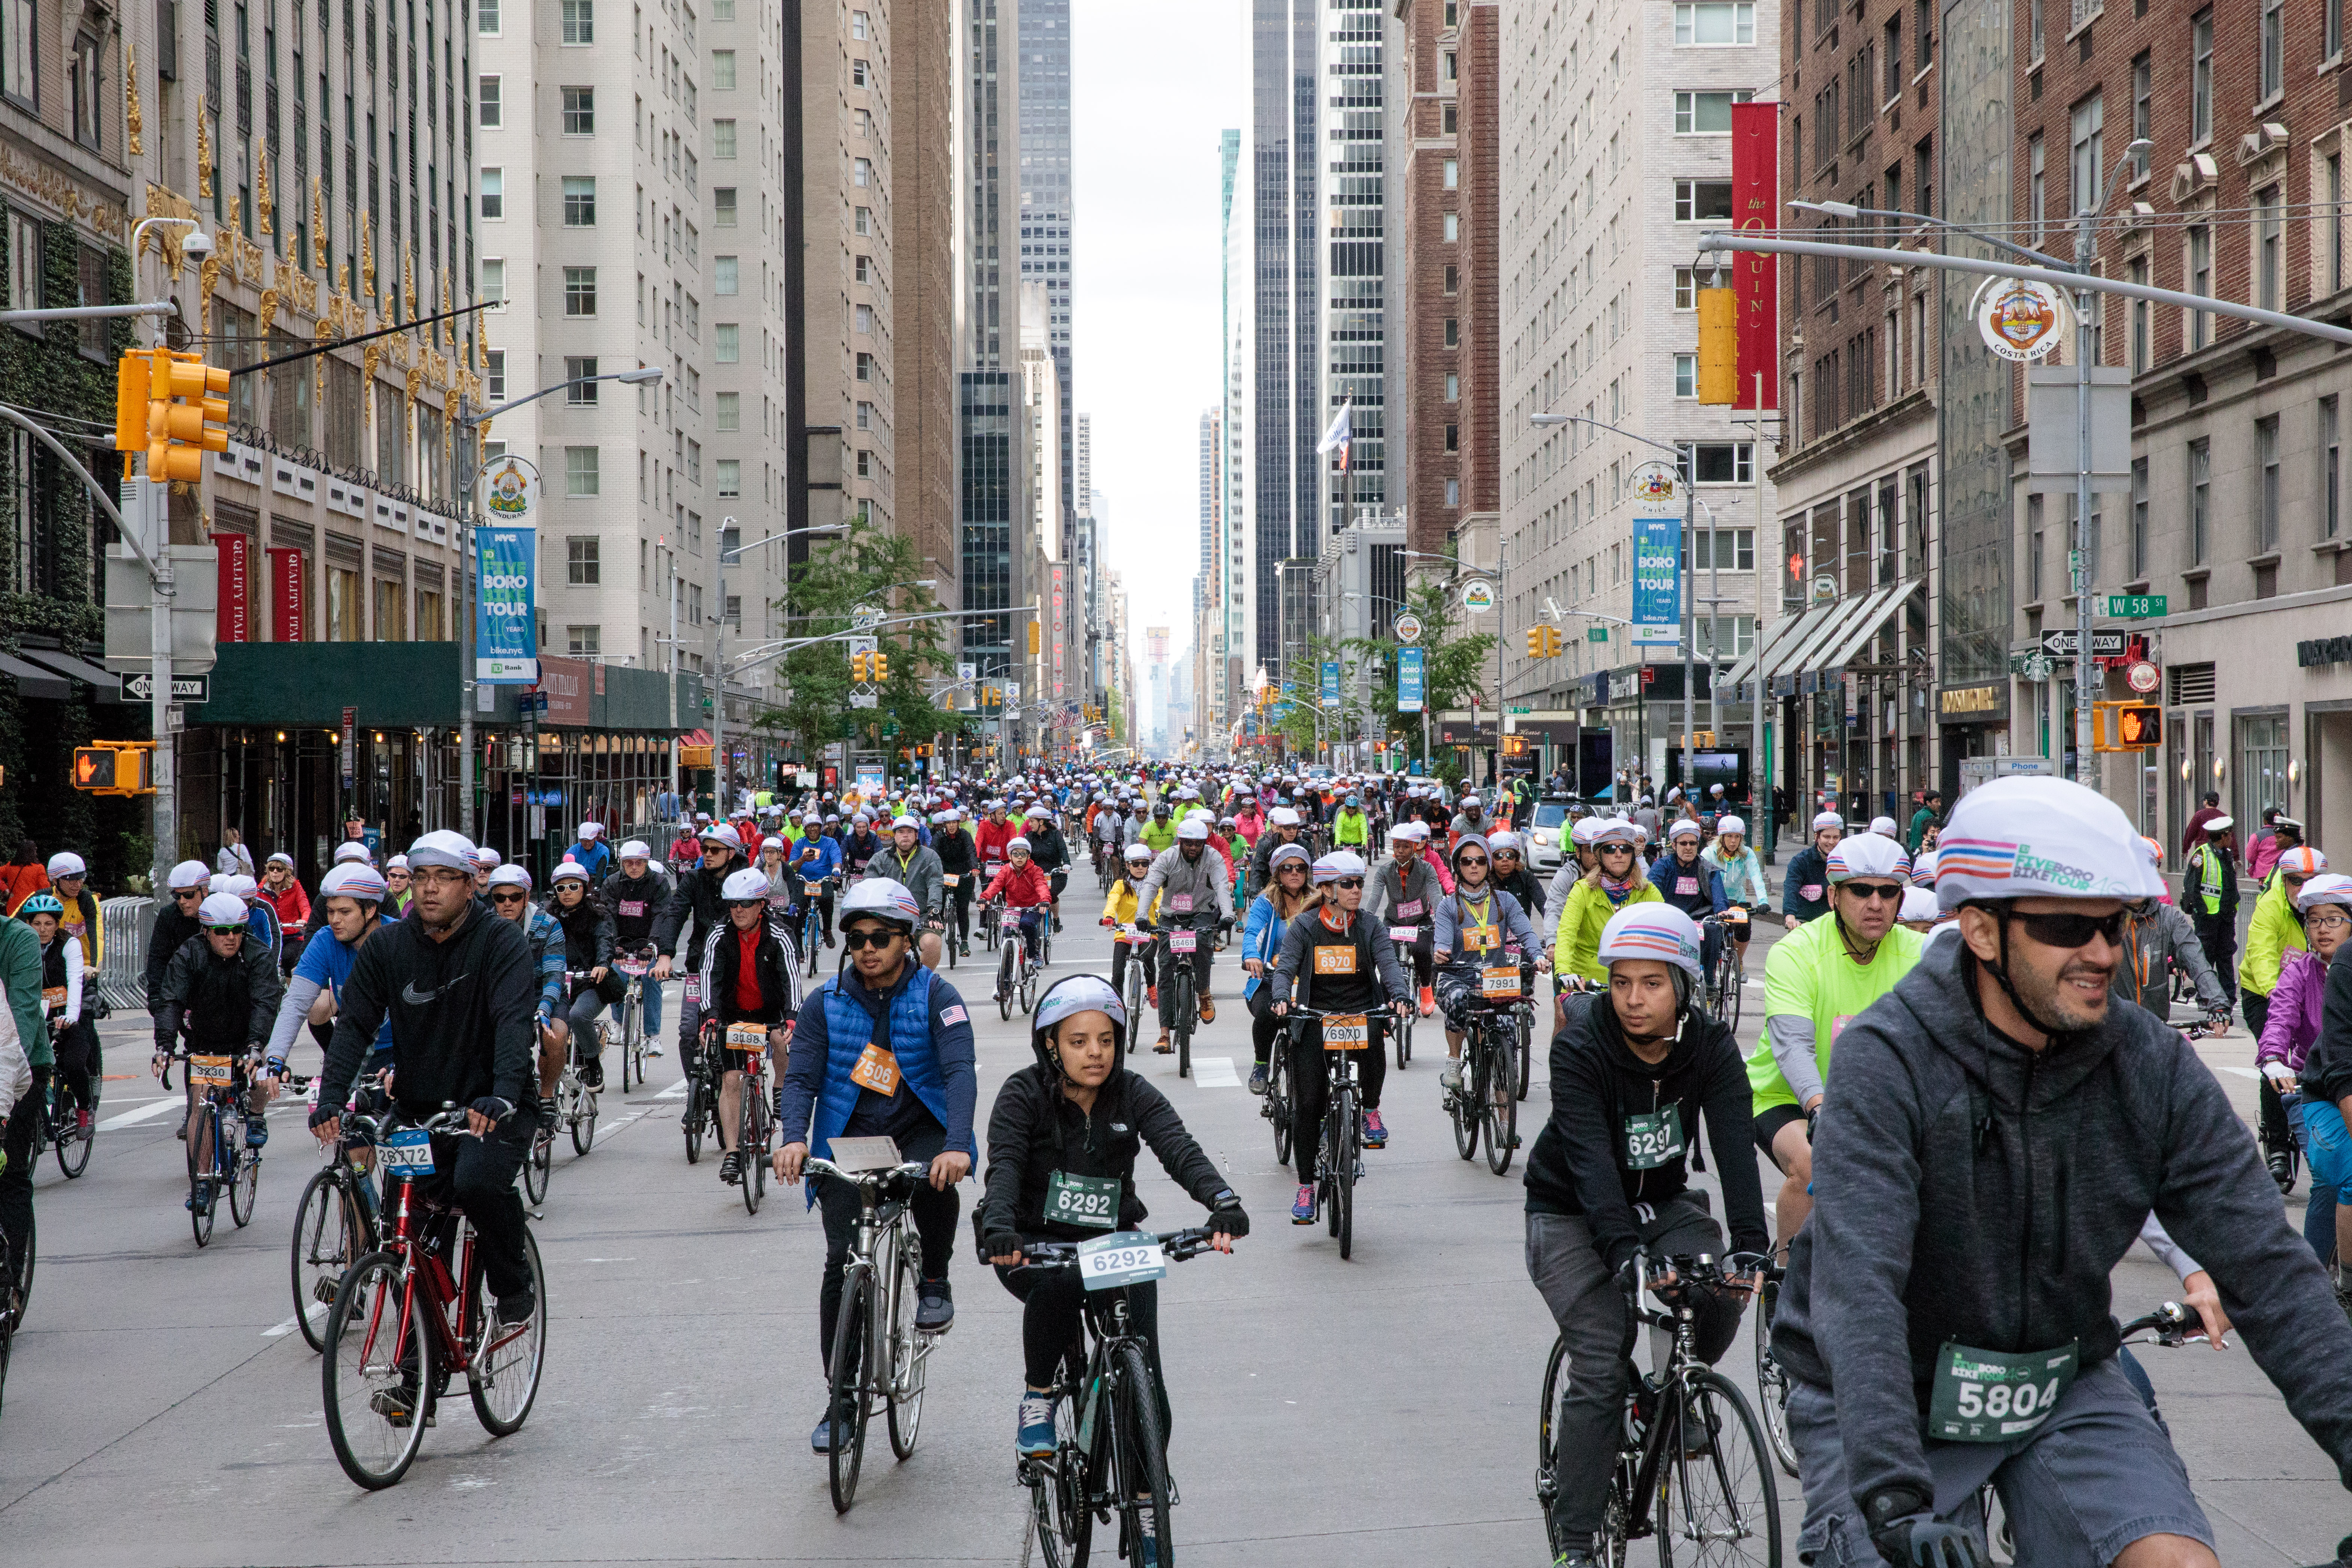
[2294,1020]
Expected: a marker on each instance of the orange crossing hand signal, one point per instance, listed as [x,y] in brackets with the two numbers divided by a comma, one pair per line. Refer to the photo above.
[94,767]
[2139,727]
[116,767]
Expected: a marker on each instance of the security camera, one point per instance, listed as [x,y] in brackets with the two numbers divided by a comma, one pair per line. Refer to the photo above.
[197,246]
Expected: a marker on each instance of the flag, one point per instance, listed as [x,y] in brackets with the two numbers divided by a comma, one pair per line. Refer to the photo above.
[1342,433]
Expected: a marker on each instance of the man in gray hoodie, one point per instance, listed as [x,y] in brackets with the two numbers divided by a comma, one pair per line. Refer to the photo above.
[1995,1133]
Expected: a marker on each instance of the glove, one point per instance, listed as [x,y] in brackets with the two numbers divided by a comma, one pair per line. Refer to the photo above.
[491,1106]
[2282,1076]
[1909,1536]
[324,1113]
[999,1244]
[1229,1219]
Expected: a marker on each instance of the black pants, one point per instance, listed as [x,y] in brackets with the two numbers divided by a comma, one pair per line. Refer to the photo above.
[2276,1133]
[960,894]
[933,1211]
[79,1063]
[1204,950]
[1265,1030]
[1120,953]
[2218,935]
[1054,1301]
[16,1180]
[1311,1085]
[477,1176]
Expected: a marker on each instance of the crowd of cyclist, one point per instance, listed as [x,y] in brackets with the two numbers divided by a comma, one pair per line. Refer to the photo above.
[1995,987]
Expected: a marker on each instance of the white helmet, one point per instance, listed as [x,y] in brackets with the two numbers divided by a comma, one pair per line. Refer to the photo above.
[352,849]
[1729,825]
[2328,889]
[189,874]
[1828,819]
[1138,850]
[509,875]
[1884,826]
[2040,838]
[1868,855]
[353,881]
[222,910]
[1192,830]
[568,871]
[1918,904]
[636,849]
[65,863]
[1656,931]
[743,886]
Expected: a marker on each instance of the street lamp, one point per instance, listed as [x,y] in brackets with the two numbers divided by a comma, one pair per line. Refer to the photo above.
[470,423]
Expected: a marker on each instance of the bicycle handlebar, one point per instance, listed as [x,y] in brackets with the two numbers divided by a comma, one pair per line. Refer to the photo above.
[913,1169]
[1180,1245]
[2171,1325]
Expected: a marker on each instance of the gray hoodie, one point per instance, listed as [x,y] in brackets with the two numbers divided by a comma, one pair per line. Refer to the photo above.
[1970,1190]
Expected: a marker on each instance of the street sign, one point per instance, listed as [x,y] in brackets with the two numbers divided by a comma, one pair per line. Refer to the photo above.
[1408,626]
[141,688]
[1479,596]
[2143,678]
[2021,319]
[2137,607]
[2064,644]
[350,744]
[863,644]
[1412,674]
[1596,633]
[865,700]
[863,616]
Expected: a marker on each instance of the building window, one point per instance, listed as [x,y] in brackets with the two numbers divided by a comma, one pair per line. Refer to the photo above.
[1454,493]
[491,95]
[494,283]
[722,139]
[2332,214]
[863,320]
[1452,387]
[2200,78]
[1685,289]
[2270,247]
[578,21]
[19,48]
[722,206]
[2274,47]
[585,642]
[494,362]
[579,551]
[2266,496]
[579,201]
[2262,765]
[2037,199]
[860,26]
[1453,332]
[1714,23]
[580,471]
[493,185]
[722,71]
[864,366]
[1724,550]
[2200,282]
[2087,166]
[864,270]
[1687,375]
[725,275]
[486,17]
[861,171]
[82,88]
[727,343]
[2201,497]
[579,290]
[1719,462]
[1702,201]
[860,74]
[580,111]
[2331,471]
[579,390]
[1449,67]
[1445,119]
[2143,111]
[1708,113]
[863,222]
[1453,279]
[1452,167]
[1453,224]
[2138,518]
[728,474]
[343,608]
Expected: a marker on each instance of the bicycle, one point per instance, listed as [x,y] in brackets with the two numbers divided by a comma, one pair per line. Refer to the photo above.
[68,1126]
[812,922]
[878,1286]
[1339,1165]
[1771,1379]
[754,1128]
[992,913]
[1275,1106]
[636,963]
[336,1224]
[15,1290]
[1487,1103]
[1016,973]
[576,1103]
[1727,981]
[1691,1467]
[219,1157]
[1134,991]
[1103,1463]
[701,1117]
[403,1323]
[1178,940]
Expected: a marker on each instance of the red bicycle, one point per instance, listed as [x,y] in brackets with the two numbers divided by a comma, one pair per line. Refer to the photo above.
[402,1326]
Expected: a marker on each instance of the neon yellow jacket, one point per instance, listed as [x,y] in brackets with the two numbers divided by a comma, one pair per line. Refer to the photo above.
[1120,906]
[2274,932]
[1576,946]
[1349,828]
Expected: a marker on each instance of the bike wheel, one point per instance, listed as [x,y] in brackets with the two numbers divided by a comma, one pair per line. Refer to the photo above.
[1498,1108]
[1277,1099]
[74,1144]
[1772,1383]
[1028,992]
[1721,1505]
[694,1116]
[502,1373]
[909,1358]
[752,1142]
[583,1124]
[1403,1032]
[1546,1454]
[1462,1103]
[1526,1073]
[1144,1489]
[1735,982]
[328,1236]
[1343,1181]
[200,1215]
[1004,986]
[630,1028]
[244,1182]
[537,1165]
[849,1404]
[376,1373]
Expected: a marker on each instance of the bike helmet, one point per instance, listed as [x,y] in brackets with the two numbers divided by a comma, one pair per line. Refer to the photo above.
[1192,830]
[1338,864]
[477,859]
[1724,825]
[636,849]
[1283,854]
[884,900]
[903,820]
[2040,838]
[352,880]
[744,886]
[589,830]
[352,850]
[1138,851]
[220,911]
[1923,868]
[724,836]
[189,874]
[1613,830]
[2301,861]
[1684,827]
[1065,999]
[568,871]
[1867,855]
[1016,843]
[1657,932]
[1828,819]
[1884,826]
[1283,816]
[279,858]
[2328,889]
[47,904]
[1918,905]
[1410,832]
[65,863]
[509,875]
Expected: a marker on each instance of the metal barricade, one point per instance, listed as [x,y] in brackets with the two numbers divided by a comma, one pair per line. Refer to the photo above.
[122,970]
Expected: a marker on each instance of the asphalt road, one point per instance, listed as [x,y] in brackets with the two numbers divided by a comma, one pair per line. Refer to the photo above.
[162,1409]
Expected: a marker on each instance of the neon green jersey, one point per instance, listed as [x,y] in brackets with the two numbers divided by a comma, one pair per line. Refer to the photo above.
[1808,976]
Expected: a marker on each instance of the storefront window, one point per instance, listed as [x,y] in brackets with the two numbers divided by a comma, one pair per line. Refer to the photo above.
[2261,771]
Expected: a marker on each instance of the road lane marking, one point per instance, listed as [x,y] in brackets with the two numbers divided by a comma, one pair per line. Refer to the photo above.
[675,1091]
[2242,1072]
[144,1113]
[1214,1072]
[314,1312]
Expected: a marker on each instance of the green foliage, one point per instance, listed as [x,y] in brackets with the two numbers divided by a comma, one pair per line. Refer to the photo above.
[1454,668]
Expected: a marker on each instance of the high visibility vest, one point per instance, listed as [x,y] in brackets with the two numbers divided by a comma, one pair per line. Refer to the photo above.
[2209,882]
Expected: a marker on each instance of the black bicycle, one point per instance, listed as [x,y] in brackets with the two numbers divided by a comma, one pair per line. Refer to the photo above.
[1177,940]
[15,1290]
[339,1220]
[1727,981]
[1691,1467]
[1340,1165]
[1111,1452]
[879,1355]
[1487,1102]
[1771,1378]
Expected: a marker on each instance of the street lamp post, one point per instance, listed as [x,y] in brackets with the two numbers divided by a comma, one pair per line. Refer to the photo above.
[470,423]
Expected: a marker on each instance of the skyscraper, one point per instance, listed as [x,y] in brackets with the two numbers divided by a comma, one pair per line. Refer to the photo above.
[993,478]
[1285,370]
[1234,599]
[1045,74]
[1354,317]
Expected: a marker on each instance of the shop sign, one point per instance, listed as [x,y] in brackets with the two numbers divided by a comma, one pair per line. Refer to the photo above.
[2021,319]
[2316,653]
[1981,703]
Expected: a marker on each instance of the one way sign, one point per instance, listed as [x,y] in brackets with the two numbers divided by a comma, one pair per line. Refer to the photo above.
[141,688]
[2062,645]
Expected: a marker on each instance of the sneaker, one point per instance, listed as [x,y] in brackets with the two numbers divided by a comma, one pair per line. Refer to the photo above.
[1575,1557]
[1302,1211]
[1151,994]
[1449,1077]
[730,1166]
[398,1407]
[652,1050]
[934,1307]
[1428,1001]
[821,1440]
[1208,1010]
[201,1200]
[828,940]
[1166,1046]
[591,1075]
[83,1119]
[963,948]
[517,1310]
[257,1132]
[1033,1436]
[1375,1135]
[2283,1169]
[1258,1080]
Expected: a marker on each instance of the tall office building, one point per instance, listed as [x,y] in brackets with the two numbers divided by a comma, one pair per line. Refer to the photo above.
[993,463]
[1209,581]
[1042,559]
[1284,348]
[1355,231]
[1235,571]
[1043,69]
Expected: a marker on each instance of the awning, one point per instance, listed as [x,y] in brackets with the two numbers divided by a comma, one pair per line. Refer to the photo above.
[32,680]
[695,738]
[108,686]
[1876,612]
[1774,643]
[1806,658]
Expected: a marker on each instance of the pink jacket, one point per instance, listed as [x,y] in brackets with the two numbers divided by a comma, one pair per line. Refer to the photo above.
[2294,1022]
[2266,854]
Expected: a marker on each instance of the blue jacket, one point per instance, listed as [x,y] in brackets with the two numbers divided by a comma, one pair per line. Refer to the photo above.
[931,1034]
[595,858]
[1706,899]
[547,957]
[826,861]
[1260,940]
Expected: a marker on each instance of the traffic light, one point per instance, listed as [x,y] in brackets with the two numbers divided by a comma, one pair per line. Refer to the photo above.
[175,407]
[115,767]
[2139,727]
[858,666]
[881,668]
[94,769]
[1718,346]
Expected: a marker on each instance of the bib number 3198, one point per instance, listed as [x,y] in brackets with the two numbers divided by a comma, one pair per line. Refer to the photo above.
[1991,1396]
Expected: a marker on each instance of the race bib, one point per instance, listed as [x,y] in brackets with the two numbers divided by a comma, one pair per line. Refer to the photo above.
[747,1036]
[953,881]
[1082,1199]
[632,965]
[1837,1026]
[1347,1032]
[1184,942]
[1404,936]
[1410,911]
[1335,960]
[209,1072]
[1991,1396]
[876,1069]
[1502,982]
[812,888]
[632,908]
[1811,892]
[1127,1257]
[1479,939]
[53,996]
[1685,886]
[1653,1138]
[408,1151]
[1181,903]
[694,987]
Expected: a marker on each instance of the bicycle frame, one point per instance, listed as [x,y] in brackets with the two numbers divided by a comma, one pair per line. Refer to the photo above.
[880,1221]
[427,1280]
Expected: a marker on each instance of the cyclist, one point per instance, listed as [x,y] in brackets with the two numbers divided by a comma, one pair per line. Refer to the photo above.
[351,903]
[882,1049]
[224,987]
[458,985]
[635,893]
[1161,831]
[906,860]
[1063,1130]
[1193,880]
[1742,872]
[510,900]
[1282,827]
[2275,931]
[1635,1072]
[1122,909]
[72,1036]
[589,935]
[1026,893]
[1350,967]
[858,847]
[287,901]
[484,860]
[596,856]
[175,923]
[1617,879]
[1511,873]
[1401,892]
[1962,1242]
[991,835]
[69,881]
[26,1060]
[2159,938]
[1051,852]
[2209,887]
[1349,828]
[694,908]
[1477,924]
[1816,979]
[815,856]
[1270,916]
[1804,889]
[958,865]
[2293,1026]
[395,880]
[1687,882]
[748,970]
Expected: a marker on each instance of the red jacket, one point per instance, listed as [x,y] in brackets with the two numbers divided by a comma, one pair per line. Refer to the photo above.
[989,838]
[292,904]
[1023,887]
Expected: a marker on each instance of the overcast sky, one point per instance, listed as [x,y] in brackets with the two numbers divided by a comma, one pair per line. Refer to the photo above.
[1148,101]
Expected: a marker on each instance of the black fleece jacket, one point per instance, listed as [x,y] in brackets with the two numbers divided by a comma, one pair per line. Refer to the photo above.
[1578,1165]
[461,1014]
[1035,1129]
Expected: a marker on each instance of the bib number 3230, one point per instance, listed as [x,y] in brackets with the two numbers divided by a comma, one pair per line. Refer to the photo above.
[1992,1396]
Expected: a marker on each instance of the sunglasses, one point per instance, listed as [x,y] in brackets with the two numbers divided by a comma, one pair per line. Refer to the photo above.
[507,898]
[747,903]
[1884,893]
[1349,882]
[1471,860]
[188,893]
[225,931]
[1616,849]
[855,939]
[2072,931]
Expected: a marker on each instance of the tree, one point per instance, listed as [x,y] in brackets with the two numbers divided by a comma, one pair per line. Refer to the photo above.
[1453,666]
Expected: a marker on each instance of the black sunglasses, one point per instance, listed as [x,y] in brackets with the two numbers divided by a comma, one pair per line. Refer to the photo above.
[1886,892]
[855,939]
[187,893]
[2071,930]
[747,903]
[1616,849]
[1349,882]
[1471,860]
[507,898]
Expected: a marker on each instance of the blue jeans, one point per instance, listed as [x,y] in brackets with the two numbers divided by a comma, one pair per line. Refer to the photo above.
[650,989]
[2328,1149]
[1033,927]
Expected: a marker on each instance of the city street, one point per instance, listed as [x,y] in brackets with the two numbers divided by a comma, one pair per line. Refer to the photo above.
[162,1409]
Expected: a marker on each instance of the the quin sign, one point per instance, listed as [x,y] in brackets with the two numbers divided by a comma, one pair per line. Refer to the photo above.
[2021,319]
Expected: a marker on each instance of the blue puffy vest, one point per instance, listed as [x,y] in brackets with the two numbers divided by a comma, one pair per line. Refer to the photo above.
[849,1027]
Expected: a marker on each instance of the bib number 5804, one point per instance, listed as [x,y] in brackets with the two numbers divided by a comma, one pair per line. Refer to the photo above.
[2003,1401]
